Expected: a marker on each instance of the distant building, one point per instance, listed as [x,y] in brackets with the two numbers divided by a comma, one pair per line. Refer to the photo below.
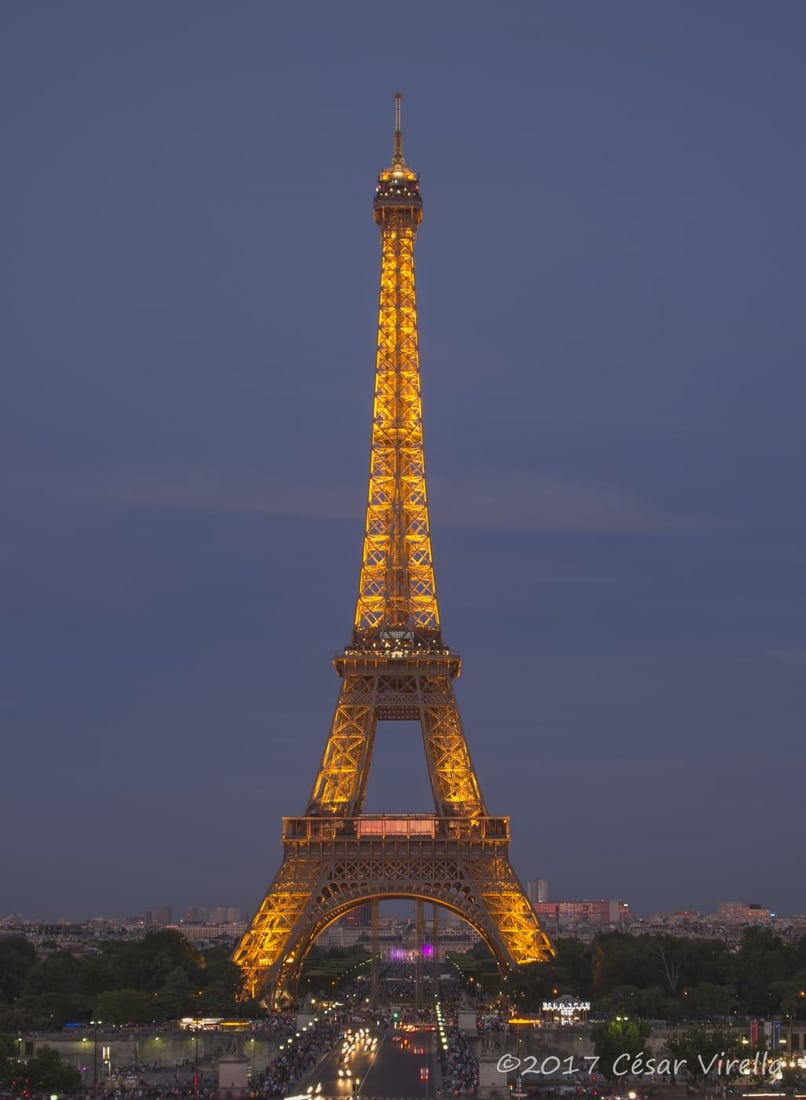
[338,935]
[537,890]
[360,917]
[581,916]
[739,912]
[224,914]
[207,935]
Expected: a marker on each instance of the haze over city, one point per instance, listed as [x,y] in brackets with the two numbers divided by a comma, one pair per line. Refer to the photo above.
[610,290]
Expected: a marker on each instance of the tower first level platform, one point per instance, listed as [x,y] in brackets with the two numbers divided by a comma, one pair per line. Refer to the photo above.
[330,866]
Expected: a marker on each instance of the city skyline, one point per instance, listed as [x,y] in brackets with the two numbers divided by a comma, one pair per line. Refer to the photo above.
[194,913]
[609,276]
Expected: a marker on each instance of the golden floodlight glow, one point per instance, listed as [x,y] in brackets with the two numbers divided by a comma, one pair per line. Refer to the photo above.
[396,668]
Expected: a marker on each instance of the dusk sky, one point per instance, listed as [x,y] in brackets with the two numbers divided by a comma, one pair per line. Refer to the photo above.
[611,292]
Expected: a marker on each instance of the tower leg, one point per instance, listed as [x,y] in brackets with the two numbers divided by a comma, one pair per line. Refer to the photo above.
[342,778]
[435,945]
[419,925]
[374,909]
[450,769]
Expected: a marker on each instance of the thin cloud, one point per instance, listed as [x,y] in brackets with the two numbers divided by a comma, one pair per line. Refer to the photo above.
[200,490]
[518,501]
[528,501]
[789,656]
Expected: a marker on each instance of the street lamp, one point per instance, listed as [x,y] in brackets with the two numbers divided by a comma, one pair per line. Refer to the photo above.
[95,1024]
[196,1060]
[519,1090]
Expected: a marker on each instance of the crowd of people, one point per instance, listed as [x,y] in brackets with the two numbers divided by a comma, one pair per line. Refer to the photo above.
[493,1031]
[397,985]
[280,1023]
[296,1057]
[460,1071]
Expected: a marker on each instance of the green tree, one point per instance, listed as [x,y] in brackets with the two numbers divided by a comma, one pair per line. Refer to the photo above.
[17,956]
[479,964]
[221,986]
[124,1006]
[617,1043]
[670,954]
[177,996]
[324,970]
[707,1001]
[706,961]
[624,1000]
[698,1046]
[573,964]
[793,996]
[619,959]
[628,1000]
[56,973]
[568,972]
[98,974]
[8,1054]
[46,1072]
[147,964]
[669,963]
[762,961]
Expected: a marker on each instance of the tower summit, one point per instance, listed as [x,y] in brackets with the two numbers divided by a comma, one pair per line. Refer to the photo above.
[397,599]
[396,668]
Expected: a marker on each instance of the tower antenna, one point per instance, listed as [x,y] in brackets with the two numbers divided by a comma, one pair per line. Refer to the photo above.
[398,156]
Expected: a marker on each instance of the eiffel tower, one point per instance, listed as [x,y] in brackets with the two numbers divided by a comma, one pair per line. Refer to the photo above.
[396,668]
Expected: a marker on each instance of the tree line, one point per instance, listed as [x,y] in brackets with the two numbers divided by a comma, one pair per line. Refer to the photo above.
[661,977]
[159,978]
[163,977]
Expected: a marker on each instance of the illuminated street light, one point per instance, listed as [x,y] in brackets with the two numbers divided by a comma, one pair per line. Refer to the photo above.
[95,1024]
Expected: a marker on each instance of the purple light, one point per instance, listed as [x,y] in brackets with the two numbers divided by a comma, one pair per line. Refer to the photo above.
[428,951]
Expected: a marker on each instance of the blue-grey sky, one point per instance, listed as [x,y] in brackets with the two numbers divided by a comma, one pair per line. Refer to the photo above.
[611,286]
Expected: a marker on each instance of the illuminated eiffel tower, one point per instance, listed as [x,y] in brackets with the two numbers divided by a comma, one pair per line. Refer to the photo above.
[396,668]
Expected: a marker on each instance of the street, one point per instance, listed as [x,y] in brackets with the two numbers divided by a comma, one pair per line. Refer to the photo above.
[401,1064]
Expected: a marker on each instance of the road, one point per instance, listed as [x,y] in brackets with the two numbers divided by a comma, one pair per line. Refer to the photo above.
[401,1064]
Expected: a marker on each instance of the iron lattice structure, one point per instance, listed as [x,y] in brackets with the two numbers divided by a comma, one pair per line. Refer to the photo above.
[395,668]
